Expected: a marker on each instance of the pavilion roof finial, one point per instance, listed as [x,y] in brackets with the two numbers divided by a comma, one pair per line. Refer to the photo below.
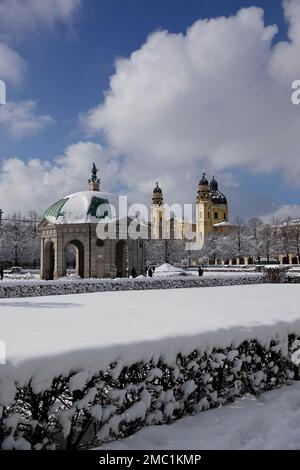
[94,177]
[94,181]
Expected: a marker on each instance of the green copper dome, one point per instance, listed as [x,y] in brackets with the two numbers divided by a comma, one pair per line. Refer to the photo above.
[55,209]
[83,207]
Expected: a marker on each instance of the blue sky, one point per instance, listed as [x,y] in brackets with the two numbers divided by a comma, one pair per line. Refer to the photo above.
[69,65]
[69,68]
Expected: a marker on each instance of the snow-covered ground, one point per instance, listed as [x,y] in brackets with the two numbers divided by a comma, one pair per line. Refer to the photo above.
[16,277]
[164,271]
[45,336]
[34,278]
[217,273]
[271,421]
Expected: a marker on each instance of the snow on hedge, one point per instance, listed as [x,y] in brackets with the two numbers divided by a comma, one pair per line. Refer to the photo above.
[73,285]
[82,370]
[250,423]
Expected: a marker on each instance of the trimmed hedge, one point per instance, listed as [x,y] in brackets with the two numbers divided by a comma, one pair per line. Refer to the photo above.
[79,411]
[42,288]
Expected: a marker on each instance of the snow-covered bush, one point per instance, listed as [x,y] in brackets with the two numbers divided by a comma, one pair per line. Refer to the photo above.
[81,409]
[63,286]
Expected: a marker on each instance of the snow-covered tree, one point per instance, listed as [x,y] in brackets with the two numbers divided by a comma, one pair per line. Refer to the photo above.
[213,247]
[295,238]
[164,251]
[19,240]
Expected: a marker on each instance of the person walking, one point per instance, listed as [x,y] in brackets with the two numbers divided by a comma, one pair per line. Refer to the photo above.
[200,271]
[150,272]
[133,273]
[1,272]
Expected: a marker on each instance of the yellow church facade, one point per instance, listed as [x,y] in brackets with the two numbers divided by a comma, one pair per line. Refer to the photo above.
[211,210]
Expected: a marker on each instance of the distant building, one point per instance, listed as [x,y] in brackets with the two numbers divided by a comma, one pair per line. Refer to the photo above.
[211,209]
[211,214]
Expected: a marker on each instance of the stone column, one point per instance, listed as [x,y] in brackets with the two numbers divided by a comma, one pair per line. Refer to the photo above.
[59,257]
[87,261]
[93,251]
[42,261]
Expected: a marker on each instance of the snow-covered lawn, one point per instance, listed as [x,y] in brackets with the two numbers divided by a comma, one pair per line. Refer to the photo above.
[271,421]
[91,330]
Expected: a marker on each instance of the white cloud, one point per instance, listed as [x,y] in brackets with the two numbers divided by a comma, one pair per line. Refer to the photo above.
[211,98]
[11,64]
[285,61]
[21,15]
[21,118]
[283,212]
[35,184]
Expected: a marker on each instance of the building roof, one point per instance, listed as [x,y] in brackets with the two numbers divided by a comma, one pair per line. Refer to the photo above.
[223,224]
[157,189]
[85,207]
[217,197]
[203,181]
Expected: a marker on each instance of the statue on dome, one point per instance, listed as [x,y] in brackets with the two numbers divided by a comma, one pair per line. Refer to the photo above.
[94,178]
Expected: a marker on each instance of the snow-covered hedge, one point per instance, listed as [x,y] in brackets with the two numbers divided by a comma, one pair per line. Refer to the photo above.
[81,409]
[60,287]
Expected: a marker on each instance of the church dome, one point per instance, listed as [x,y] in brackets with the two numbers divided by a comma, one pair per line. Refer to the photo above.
[157,196]
[157,189]
[203,181]
[213,185]
[84,207]
[217,197]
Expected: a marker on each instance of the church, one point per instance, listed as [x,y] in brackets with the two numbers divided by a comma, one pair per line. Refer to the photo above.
[211,213]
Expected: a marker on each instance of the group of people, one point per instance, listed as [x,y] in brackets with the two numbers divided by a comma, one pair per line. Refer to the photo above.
[149,270]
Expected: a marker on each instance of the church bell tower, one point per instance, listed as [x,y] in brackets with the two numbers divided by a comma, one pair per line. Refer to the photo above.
[157,213]
[203,210]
